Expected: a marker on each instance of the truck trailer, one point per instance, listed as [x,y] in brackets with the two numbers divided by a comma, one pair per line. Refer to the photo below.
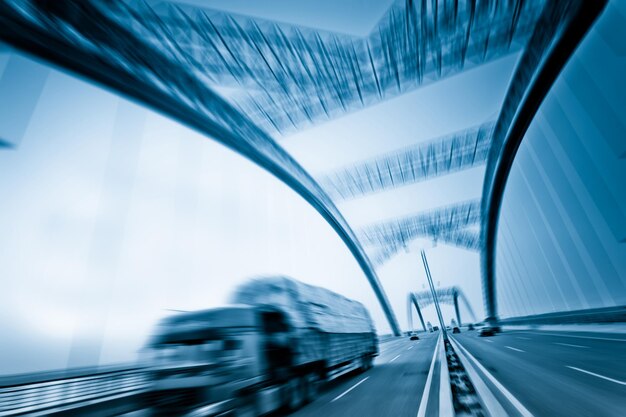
[270,350]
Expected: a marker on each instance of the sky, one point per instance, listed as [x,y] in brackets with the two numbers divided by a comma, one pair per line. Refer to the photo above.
[114,215]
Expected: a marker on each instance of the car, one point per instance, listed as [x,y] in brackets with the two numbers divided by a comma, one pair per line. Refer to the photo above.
[487,331]
[435,328]
[470,326]
[455,329]
[414,337]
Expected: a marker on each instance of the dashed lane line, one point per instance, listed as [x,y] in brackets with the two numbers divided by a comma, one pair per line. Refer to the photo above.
[515,349]
[349,389]
[579,337]
[567,344]
[597,375]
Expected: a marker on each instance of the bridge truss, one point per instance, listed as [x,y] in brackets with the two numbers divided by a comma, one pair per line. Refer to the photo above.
[172,57]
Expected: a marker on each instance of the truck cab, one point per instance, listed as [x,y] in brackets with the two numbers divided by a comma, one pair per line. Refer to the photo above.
[216,355]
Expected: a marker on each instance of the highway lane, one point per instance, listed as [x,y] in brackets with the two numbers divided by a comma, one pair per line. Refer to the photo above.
[393,387]
[557,373]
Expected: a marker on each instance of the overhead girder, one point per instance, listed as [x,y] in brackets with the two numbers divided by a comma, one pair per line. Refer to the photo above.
[297,76]
[451,153]
[466,239]
[446,224]
[94,39]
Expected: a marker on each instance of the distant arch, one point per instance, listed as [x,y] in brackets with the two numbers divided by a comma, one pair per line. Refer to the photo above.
[450,295]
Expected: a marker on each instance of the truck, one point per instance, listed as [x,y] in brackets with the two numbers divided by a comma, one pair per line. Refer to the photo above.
[270,350]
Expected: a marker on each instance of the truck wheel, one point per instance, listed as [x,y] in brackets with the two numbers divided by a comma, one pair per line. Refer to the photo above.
[366,362]
[311,386]
[296,393]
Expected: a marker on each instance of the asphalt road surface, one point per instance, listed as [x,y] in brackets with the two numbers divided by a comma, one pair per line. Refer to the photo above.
[554,374]
[393,387]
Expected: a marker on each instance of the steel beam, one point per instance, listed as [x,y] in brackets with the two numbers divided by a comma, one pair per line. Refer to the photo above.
[456,311]
[561,27]
[444,155]
[412,301]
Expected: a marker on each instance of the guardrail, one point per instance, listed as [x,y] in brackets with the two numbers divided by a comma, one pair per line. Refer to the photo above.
[596,315]
[51,392]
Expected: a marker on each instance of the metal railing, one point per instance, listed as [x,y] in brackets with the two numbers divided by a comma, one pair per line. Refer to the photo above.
[587,316]
[64,390]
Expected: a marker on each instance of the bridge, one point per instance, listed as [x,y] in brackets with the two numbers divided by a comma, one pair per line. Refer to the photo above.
[420,300]
[487,134]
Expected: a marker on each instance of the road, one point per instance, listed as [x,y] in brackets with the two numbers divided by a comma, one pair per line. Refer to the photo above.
[556,373]
[393,387]
[523,373]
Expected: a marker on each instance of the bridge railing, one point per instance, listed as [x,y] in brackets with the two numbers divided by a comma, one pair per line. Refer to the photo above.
[587,316]
[64,390]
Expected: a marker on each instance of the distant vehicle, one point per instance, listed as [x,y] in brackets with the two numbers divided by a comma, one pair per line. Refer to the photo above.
[487,331]
[269,351]
[454,326]
[413,336]
[430,327]
[435,328]
[470,326]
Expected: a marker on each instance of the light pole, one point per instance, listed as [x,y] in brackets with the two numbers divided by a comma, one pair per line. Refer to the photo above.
[434,293]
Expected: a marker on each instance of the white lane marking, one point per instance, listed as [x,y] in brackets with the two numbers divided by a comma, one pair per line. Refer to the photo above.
[424,401]
[515,349]
[567,344]
[579,337]
[514,401]
[349,389]
[493,406]
[409,348]
[597,375]
[445,392]
[487,340]
[523,338]
[397,356]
